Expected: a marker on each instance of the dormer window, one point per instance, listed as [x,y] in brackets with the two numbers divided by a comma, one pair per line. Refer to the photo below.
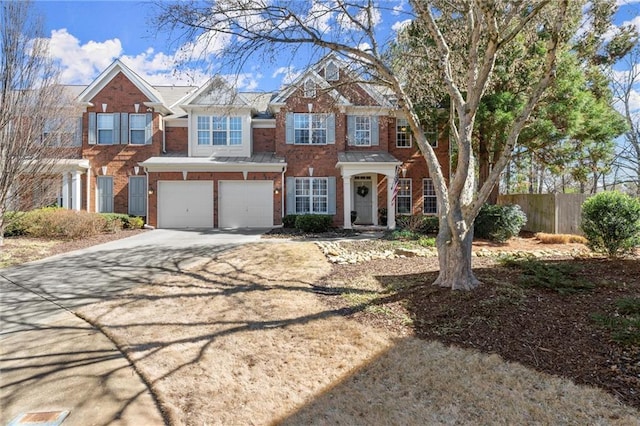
[332,72]
[309,89]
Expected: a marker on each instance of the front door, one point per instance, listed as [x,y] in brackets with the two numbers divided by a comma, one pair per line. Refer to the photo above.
[363,196]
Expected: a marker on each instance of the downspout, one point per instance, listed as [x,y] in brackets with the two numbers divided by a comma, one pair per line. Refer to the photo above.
[164,138]
[282,191]
[89,188]
[146,219]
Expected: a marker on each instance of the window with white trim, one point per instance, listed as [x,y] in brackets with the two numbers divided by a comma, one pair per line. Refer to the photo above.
[430,128]
[430,202]
[332,72]
[219,130]
[137,129]
[105,126]
[309,89]
[58,132]
[310,129]
[403,133]
[312,195]
[362,131]
[403,199]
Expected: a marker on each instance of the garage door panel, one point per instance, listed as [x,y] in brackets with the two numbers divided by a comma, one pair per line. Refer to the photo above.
[185,204]
[245,204]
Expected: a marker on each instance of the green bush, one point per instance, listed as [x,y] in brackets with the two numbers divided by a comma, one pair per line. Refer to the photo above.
[117,221]
[53,222]
[314,222]
[499,223]
[289,221]
[418,223]
[14,224]
[611,223]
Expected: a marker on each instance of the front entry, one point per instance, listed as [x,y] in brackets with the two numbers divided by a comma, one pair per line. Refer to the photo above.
[363,199]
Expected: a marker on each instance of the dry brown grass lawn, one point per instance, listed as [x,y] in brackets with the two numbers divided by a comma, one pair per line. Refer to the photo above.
[560,238]
[244,339]
[20,250]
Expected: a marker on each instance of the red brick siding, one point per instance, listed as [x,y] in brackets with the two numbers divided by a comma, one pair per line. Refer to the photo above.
[120,95]
[264,140]
[177,140]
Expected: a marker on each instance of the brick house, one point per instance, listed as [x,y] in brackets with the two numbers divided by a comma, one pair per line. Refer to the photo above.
[211,156]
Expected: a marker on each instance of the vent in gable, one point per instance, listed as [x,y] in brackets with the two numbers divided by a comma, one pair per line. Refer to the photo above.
[332,72]
[309,89]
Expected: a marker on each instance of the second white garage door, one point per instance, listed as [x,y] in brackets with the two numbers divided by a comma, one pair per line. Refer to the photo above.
[185,204]
[245,204]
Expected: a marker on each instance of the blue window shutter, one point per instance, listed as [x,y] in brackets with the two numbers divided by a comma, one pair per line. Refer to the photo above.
[291,195]
[77,137]
[92,134]
[351,129]
[124,128]
[331,186]
[148,130]
[375,131]
[116,128]
[331,129]
[290,136]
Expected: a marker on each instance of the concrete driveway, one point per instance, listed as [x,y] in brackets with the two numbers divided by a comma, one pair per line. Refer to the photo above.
[52,360]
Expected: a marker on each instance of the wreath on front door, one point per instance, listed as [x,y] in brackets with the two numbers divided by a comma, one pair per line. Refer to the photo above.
[362,191]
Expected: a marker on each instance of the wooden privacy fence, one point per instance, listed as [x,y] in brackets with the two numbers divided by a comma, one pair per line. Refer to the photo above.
[551,213]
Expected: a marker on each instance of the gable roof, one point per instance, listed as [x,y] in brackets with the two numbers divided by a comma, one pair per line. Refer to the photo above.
[375,92]
[311,74]
[215,92]
[108,74]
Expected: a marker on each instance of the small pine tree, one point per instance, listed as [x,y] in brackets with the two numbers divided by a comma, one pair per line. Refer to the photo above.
[611,223]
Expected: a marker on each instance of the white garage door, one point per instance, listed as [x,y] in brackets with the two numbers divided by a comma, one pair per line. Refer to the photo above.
[185,204]
[245,204]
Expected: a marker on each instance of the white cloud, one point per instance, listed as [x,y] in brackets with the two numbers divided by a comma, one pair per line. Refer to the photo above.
[400,25]
[289,74]
[81,63]
[319,16]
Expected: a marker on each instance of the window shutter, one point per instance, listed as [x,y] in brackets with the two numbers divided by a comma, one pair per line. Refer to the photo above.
[331,187]
[351,129]
[291,195]
[92,135]
[148,130]
[124,128]
[77,136]
[375,131]
[331,129]
[290,136]
[116,128]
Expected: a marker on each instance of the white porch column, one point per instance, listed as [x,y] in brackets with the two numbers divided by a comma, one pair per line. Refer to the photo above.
[76,190]
[346,201]
[391,205]
[65,190]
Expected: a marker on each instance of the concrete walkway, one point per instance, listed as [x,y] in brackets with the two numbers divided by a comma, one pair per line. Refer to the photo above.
[52,360]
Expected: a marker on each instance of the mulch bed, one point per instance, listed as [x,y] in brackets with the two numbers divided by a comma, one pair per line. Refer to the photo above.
[536,327]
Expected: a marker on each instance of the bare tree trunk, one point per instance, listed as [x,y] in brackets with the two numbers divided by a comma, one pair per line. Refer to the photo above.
[454,258]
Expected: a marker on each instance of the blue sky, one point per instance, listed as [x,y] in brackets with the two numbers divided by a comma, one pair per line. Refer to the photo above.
[86,36]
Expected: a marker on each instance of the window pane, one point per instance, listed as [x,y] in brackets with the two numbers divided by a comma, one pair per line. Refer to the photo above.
[105,128]
[404,201]
[363,131]
[430,201]
[204,135]
[219,138]
[235,131]
[301,128]
[137,121]
[137,137]
[403,133]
